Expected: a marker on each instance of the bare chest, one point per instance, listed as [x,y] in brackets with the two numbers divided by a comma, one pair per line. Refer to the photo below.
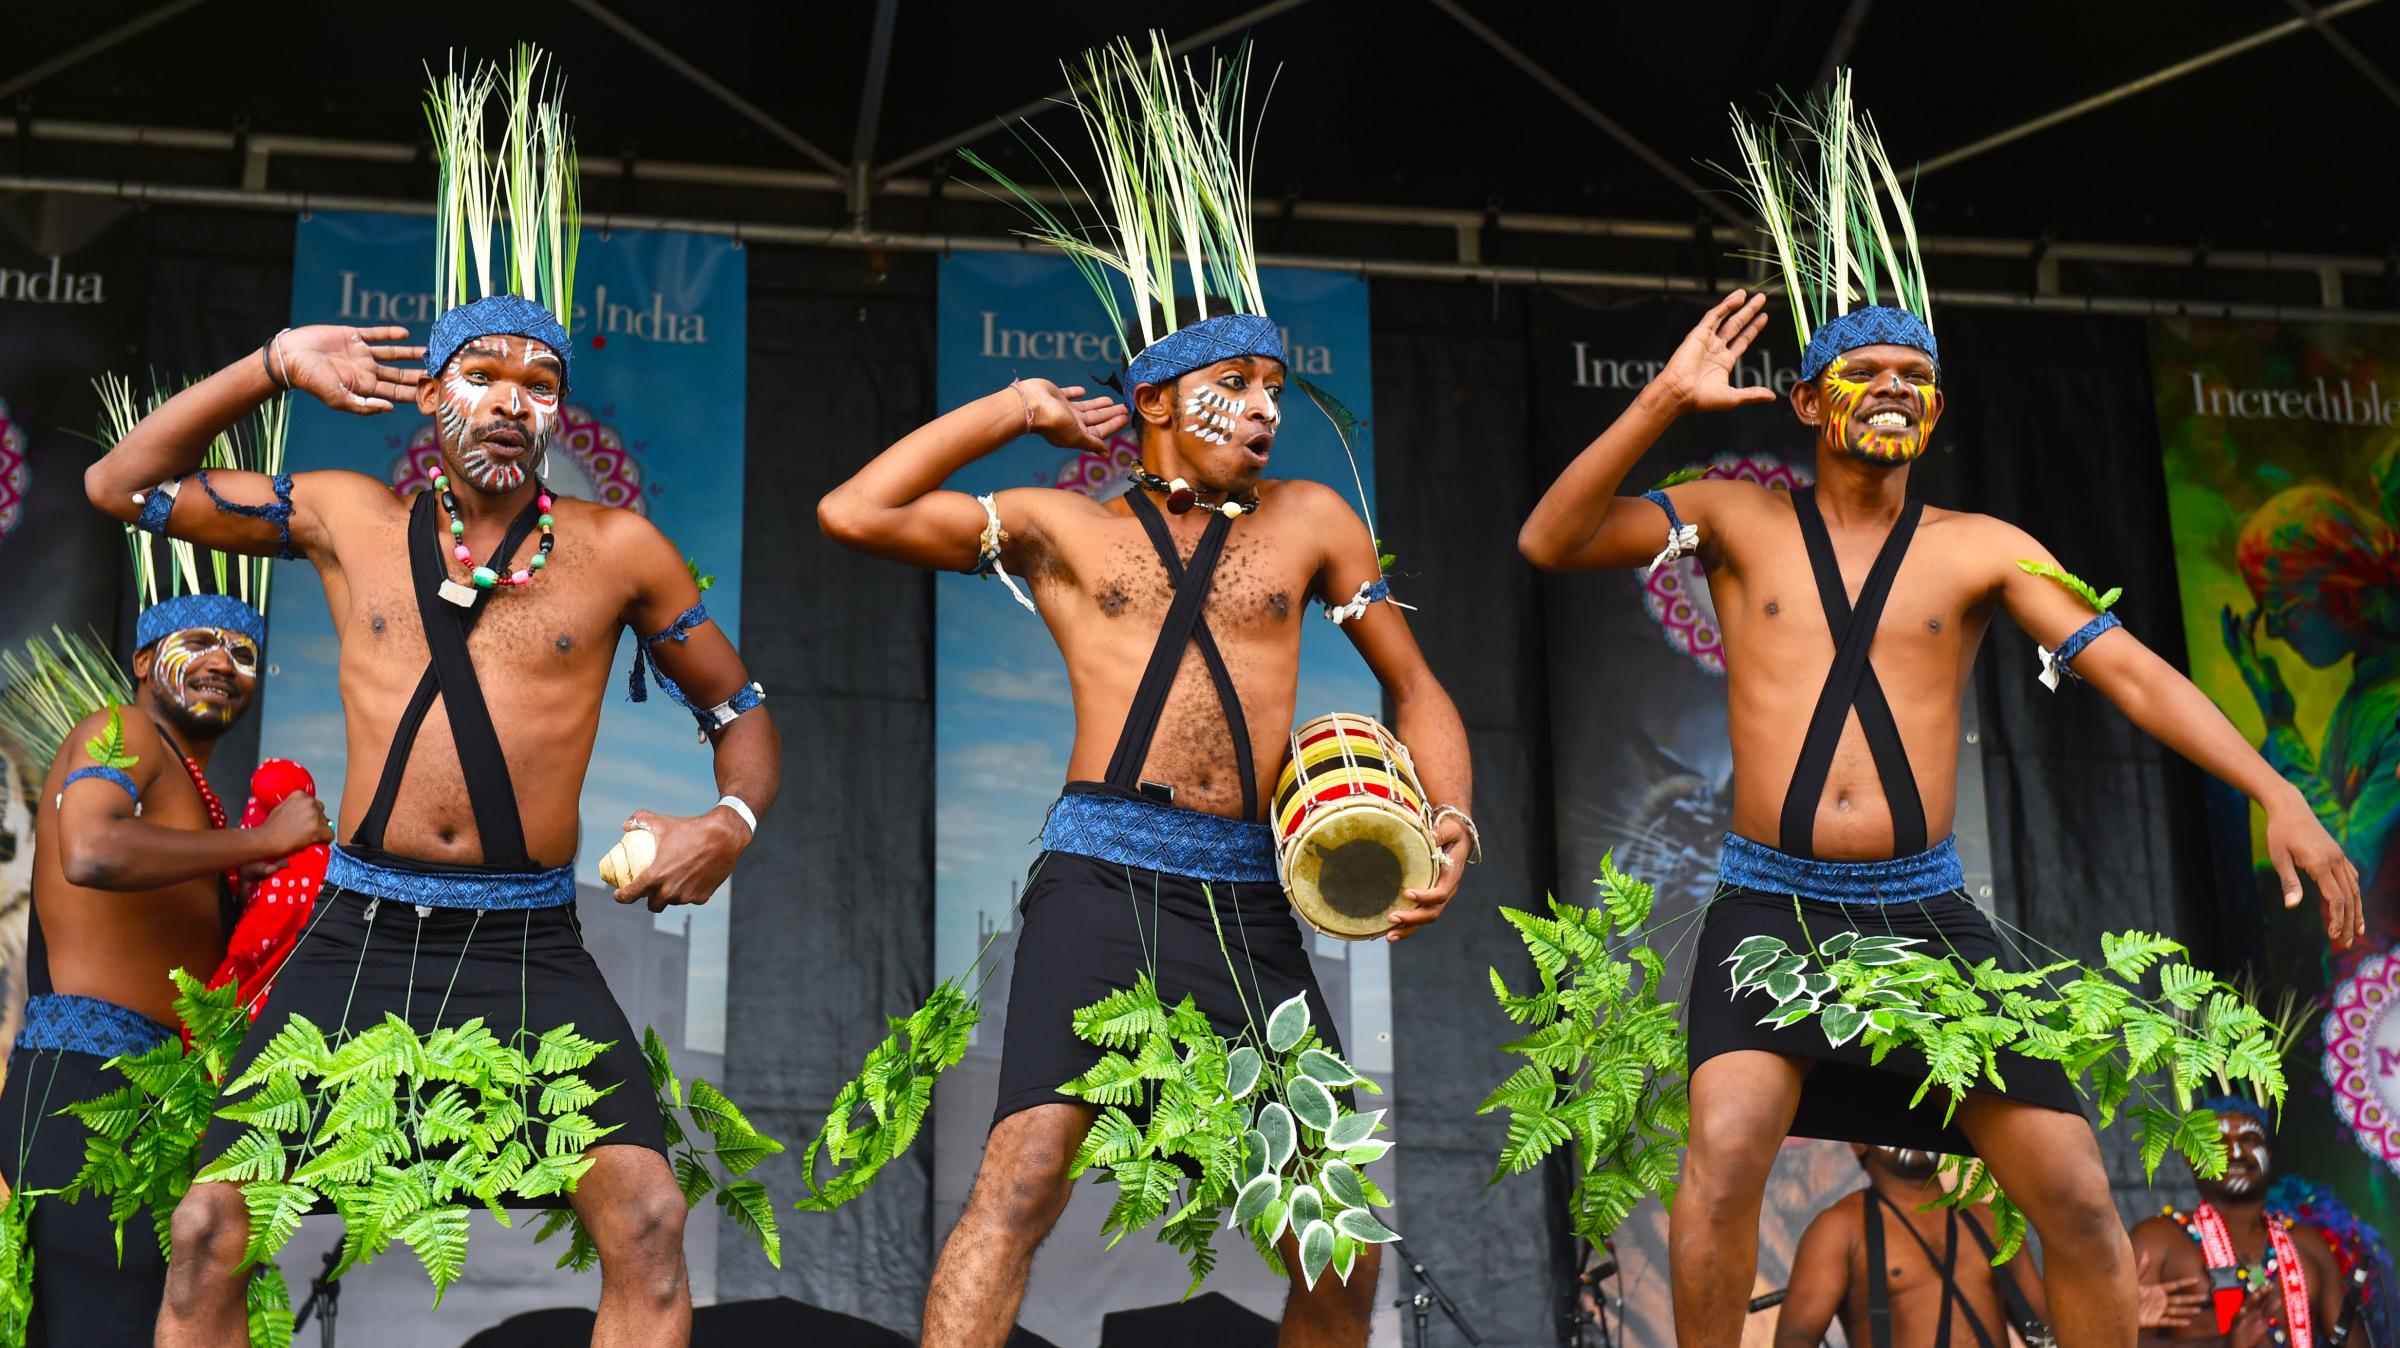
[563,625]
[1117,581]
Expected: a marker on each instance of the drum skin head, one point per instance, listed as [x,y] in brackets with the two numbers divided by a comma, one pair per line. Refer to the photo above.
[1347,868]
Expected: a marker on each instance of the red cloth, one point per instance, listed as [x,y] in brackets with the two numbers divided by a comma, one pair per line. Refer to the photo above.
[276,909]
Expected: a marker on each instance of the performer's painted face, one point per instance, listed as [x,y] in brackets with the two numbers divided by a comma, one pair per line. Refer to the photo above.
[1221,420]
[495,401]
[2249,1157]
[1877,404]
[205,676]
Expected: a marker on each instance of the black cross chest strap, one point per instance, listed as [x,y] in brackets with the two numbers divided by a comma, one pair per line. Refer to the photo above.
[450,675]
[1851,683]
[1185,625]
[1879,1286]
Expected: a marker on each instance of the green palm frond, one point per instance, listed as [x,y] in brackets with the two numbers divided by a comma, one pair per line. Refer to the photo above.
[1840,225]
[1175,146]
[49,689]
[529,182]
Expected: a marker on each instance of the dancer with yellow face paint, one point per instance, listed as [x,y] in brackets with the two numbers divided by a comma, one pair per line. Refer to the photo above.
[1845,783]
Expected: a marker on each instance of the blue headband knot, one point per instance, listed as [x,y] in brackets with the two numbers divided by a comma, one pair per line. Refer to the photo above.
[186,611]
[1875,325]
[1202,344]
[498,316]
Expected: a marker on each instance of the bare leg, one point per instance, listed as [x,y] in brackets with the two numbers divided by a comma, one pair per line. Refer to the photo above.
[1742,1107]
[1020,1190]
[2049,1163]
[203,1306]
[1335,1315]
[629,1201]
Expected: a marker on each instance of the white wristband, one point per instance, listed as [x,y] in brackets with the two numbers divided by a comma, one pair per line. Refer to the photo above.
[742,807]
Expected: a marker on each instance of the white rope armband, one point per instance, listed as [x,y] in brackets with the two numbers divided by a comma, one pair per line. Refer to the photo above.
[1682,539]
[987,558]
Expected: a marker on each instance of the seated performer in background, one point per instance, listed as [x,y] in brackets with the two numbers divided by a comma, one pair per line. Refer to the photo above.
[1181,633]
[2268,1278]
[131,855]
[1915,1289]
[1848,651]
[452,894]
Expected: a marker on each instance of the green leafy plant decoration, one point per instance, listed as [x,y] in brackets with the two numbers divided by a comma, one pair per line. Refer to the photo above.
[1607,1062]
[1679,477]
[734,1148]
[2101,603]
[2140,1034]
[1249,1132]
[108,747]
[876,1114]
[705,583]
[51,688]
[16,1268]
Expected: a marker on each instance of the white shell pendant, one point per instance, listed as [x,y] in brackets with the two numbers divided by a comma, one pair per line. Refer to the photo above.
[461,595]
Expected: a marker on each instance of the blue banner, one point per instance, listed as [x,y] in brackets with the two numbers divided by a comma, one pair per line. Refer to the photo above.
[1003,721]
[653,423]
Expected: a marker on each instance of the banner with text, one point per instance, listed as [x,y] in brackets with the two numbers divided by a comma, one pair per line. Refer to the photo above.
[1003,721]
[652,424]
[2282,446]
[73,305]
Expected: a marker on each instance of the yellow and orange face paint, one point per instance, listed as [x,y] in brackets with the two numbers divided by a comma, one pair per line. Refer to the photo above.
[1842,397]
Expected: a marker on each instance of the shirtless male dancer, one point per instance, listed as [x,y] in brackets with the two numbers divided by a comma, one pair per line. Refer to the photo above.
[2237,1251]
[1169,770]
[470,729]
[128,883]
[1839,793]
[1902,1274]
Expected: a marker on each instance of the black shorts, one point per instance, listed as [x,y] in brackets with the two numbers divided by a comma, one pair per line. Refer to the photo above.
[82,1295]
[1847,1097]
[1086,927]
[517,968]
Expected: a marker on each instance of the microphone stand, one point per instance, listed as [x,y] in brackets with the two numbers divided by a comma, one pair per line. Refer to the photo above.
[1429,1294]
[324,1298]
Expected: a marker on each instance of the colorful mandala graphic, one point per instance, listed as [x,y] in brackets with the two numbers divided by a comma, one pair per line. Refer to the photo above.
[1096,475]
[12,471]
[1677,594]
[2362,1055]
[608,473]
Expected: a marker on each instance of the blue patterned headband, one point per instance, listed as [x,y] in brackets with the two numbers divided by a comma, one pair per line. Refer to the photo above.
[187,611]
[1875,325]
[2238,1104]
[498,316]
[1201,344]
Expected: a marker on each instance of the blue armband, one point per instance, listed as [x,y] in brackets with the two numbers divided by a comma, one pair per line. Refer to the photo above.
[1682,539]
[279,514]
[106,774]
[2058,662]
[157,504]
[709,718]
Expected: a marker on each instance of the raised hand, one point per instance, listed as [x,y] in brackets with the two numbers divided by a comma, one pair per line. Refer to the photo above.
[1068,419]
[1699,375]
[349,369]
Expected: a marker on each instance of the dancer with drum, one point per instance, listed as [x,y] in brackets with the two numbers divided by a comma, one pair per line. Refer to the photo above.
[1851,616]
[1178,608]
[451,897]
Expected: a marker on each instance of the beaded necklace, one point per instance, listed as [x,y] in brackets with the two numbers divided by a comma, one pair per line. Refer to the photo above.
[208,797]
[488,575]
[1182,496]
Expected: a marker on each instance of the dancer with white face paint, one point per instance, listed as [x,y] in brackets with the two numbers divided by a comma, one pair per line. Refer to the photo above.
[1901,1274]
[2266,1279]
[450,895]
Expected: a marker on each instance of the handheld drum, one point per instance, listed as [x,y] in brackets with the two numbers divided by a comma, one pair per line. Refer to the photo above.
[1351,826]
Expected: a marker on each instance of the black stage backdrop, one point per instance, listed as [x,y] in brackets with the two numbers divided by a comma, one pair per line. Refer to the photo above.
[2092,826]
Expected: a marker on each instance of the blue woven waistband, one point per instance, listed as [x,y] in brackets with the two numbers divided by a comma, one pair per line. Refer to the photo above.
[1754,865]
[1163,838]
[62,1020]
[532,889]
